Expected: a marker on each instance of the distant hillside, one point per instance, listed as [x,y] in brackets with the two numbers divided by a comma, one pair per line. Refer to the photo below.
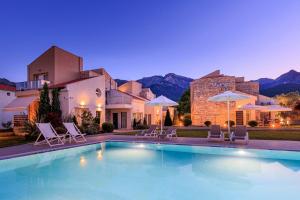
[4,81]
[287,82]
[279,89]
[170,85]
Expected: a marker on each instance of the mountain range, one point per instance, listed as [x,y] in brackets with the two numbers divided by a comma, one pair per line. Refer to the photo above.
[4,81]
[287,82]
[173,86]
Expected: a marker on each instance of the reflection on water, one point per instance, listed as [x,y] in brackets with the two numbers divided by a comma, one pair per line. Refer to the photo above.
[142,171]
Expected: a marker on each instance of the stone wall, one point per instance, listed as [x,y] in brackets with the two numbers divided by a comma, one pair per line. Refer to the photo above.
[203,110]
[201,89]
[248,87]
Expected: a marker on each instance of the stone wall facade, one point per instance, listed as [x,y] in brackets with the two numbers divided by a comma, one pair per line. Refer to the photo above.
[215,83]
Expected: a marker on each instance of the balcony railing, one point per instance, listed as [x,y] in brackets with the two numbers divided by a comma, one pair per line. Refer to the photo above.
[30,85]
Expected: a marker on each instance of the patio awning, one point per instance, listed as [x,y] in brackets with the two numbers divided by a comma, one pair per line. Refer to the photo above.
[20,103]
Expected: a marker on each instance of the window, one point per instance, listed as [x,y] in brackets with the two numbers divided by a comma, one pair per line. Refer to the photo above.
[43,76]
[149,119]
[123,119]
[98,116]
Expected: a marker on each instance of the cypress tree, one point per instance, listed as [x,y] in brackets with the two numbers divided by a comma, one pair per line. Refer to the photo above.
[168,120]
[55,104]
[44,104]
[184,103]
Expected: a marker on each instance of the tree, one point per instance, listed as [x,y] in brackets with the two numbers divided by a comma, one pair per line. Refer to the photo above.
[134,124]
[55,104]
[145,121]
[289,99]
[184,103]
[44,104]
[168,120]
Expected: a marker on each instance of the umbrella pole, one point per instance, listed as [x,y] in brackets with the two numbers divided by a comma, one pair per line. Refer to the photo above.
[228,117]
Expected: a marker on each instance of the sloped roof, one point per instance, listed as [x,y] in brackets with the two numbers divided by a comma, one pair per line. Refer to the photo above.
[62,85]
[134,96]
[7,87]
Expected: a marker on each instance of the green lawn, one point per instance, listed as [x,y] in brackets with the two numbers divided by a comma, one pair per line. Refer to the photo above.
[6,141]
[259,135]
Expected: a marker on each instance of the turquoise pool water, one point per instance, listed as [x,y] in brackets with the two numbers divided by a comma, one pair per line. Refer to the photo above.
[129,171]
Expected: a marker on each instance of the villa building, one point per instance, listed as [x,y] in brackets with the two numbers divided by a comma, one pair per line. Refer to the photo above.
[242,111]
[94,90]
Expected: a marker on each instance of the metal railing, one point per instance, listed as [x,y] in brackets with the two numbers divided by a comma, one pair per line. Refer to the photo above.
[30,85]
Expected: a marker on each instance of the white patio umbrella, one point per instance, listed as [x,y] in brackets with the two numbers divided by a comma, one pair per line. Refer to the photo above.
[228,96]
[276,108]
[161,101]
[252,107]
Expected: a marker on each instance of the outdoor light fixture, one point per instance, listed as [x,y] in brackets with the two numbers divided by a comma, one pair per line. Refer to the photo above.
[273,125]
[99,107]
[82,103]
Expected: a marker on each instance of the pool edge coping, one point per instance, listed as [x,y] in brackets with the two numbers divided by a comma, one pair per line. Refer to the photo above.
[51,149]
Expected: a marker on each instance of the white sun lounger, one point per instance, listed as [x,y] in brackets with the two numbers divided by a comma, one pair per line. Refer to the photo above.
[50,135]
[169,133]
[151,132]
[74,133]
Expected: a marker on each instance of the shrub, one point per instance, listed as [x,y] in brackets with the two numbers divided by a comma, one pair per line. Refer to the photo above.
[97,120]
[141,127]
[86,118]
[253,123]
[231,123]
[7,125]
[187,121]
[207,123]
[134,124]
[55,119]
[60,130]
[168,120]
[31,129]
[107,127]
[88,125]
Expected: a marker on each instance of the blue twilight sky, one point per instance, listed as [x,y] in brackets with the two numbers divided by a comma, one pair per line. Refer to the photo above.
[137,38]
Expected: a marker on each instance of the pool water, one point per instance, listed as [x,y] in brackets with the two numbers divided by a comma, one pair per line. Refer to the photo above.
[129,171]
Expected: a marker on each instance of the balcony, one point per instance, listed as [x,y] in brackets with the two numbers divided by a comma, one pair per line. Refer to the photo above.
[118,100]
[30,85]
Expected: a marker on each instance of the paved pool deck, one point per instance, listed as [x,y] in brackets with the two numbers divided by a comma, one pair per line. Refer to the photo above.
[27,149]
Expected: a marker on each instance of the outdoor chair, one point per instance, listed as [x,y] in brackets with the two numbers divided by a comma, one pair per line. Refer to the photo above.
[240,133]
[74,133]
[49,134]
[215,133]
[169,133]
[149,132]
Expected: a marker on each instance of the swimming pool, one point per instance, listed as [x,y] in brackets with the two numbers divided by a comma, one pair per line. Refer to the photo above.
[120,170]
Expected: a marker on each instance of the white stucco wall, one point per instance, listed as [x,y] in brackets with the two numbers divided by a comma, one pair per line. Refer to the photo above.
[82,94]
[4,100]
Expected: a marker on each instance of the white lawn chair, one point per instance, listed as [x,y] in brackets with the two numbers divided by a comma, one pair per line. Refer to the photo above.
[151,132]
[74,133]
[169,133]
[50,135]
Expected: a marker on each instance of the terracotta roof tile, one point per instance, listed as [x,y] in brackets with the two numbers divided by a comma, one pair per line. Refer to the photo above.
[7,87]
